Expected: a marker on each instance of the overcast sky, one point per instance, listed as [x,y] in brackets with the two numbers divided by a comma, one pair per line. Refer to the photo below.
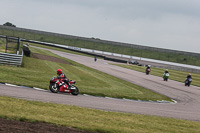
[171,24]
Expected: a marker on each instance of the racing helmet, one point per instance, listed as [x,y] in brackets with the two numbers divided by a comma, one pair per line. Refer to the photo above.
[59,71]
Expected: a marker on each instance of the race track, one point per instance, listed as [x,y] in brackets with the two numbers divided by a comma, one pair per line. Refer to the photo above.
[187,106]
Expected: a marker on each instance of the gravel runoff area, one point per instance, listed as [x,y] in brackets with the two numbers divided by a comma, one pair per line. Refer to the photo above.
[49,58]
[13,126]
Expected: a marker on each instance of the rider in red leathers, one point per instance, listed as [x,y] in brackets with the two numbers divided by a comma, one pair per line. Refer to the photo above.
[62,78]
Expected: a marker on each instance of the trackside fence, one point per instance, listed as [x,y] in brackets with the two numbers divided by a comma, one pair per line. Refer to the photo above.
[11,59]
[118,57]
[122,58]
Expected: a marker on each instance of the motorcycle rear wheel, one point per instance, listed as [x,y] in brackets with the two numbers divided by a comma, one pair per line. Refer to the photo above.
[165,79]
[74,90]
[189,84]
[53,88]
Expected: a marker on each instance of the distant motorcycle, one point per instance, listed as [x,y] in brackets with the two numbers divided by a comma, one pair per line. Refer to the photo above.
[166,76]
[188,81]
[148,71]
[66,87]
[95,58]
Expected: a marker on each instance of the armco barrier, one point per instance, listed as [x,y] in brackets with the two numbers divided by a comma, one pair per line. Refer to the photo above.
[11,59]
[101,41]
[119,57]
[122,58]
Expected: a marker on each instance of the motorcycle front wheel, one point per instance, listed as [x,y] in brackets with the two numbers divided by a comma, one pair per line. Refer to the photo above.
[53,88]
[74,90]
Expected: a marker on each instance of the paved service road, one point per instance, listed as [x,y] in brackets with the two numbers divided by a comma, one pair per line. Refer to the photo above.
[188,98]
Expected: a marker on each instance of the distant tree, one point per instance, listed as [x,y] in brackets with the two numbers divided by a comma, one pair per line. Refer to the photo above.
[9,24]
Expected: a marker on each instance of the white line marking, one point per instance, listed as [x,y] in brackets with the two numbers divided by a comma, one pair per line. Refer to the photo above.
[85,95]
[174,101]
[39,89]
[11,85]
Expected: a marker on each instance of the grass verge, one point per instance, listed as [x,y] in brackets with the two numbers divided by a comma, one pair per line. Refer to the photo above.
[91,119]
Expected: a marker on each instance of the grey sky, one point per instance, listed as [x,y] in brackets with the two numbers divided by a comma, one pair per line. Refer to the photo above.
[172,24]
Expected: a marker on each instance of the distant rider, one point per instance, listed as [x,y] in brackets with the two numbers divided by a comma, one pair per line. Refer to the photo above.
[188,80]
[148,67]
[95,58]
[189,76]
[166,71]
[62,78]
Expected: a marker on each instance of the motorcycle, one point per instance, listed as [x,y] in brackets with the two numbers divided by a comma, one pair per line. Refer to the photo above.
[95,58]
[68,87]
[148,71]
[166,76]
[188,81]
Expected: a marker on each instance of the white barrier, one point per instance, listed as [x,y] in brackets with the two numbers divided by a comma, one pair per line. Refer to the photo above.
[11,59]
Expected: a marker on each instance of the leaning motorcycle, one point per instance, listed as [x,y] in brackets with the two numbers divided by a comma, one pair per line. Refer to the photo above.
[166,76]
[68,87]
[188,81]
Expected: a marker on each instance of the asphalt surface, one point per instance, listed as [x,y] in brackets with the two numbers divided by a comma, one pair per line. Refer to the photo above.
[187,106]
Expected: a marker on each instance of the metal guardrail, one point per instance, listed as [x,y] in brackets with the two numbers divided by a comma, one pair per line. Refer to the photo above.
[11,59]
[176,66]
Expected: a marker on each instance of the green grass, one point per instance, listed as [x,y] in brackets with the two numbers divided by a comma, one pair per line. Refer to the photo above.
[98,45]
[37,73]
[174,74]
[91,119]
[11,47]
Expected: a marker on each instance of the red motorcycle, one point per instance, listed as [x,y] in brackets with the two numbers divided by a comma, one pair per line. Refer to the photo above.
[68,87]
[148,71]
